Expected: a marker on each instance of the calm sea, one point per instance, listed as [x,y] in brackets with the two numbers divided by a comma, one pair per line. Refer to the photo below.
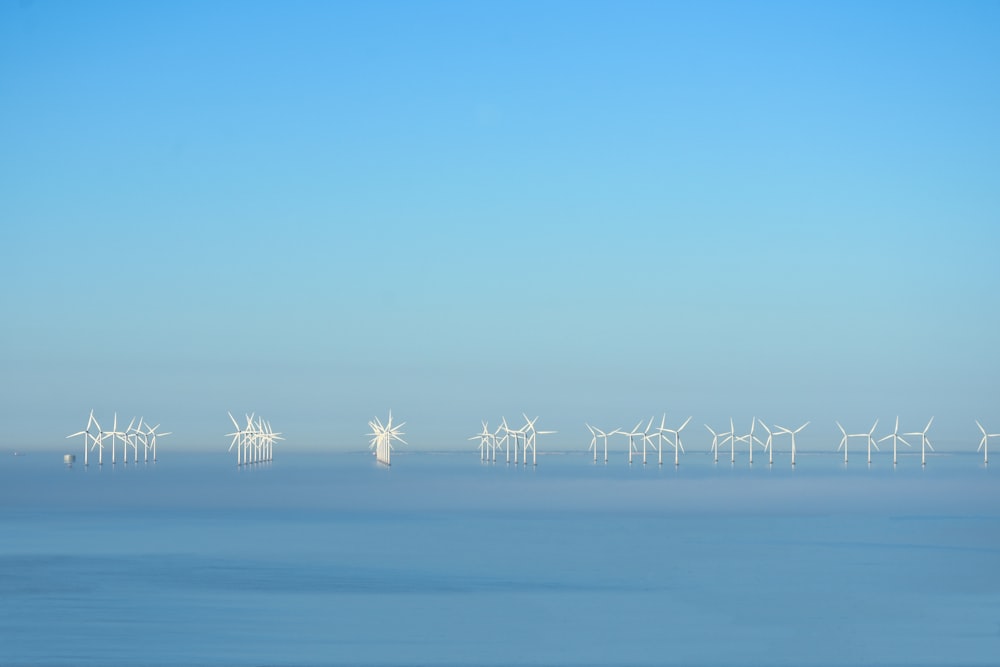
[329,559]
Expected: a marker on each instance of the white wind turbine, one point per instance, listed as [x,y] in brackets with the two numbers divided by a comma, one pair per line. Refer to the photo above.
[895,438]
[731,438]
[634,433]
[984,444]
[114,433]
[151,436]
[715,442]
[661,431]
[505,440]
[925,442]
[769,443]
[128,441]
[678,445]
[593,440]
[531,440]
[238,438]
[647,438]
[484,442]
[750,438]
[138,435]
[781,430]
[495,442]
[89,439]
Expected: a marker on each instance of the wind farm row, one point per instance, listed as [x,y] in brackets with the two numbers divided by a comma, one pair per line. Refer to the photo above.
[134,434]
[254,440]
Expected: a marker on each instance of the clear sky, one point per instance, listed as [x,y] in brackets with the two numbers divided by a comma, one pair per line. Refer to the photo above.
[583,211]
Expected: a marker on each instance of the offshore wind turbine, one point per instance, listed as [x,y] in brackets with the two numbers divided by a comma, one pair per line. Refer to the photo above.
[984,444]
[139,435]
[237,440]
[114,433]
[769,443]
[647,438]
[750,438]
[871,441]
[715,442]
[88,437]
[634,433]
[895,438]
[925,442]
[593,440]
[678,445]
[484,442]
[127,440]
[781,430]
[151,435]
[531,440]
[731,438]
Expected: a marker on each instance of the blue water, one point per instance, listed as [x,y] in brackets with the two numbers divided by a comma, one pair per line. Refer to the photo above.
[329,559]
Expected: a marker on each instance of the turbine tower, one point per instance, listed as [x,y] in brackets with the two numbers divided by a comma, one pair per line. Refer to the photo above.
[750,438]
[89,439]
[895,438]
[484,442]
[634,433]
[984,444]
[769,443]
[114,433]
[781,430]
[925,442]
[678,445]
[715,442]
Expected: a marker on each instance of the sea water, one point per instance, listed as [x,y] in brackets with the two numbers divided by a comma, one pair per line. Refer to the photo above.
[331,559]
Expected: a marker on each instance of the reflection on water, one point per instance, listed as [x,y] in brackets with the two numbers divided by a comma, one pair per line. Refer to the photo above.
[331,560]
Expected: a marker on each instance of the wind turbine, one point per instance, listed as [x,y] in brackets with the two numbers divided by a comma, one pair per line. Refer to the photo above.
[769,443]
[237,440]
[925,442]
[871,441]
[731,438]
[152,435]
[781,430]
[750,438]
[635,432]
[647,438]
[505,440]
[115,433]
[127,441]
[895,437]
[593,440]
[137,435]
[531,439]
[88,437]
[484,442]
[678,445]
[715,442]
[984,444]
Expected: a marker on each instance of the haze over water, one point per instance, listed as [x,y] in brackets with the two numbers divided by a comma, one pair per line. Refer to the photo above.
[441,560]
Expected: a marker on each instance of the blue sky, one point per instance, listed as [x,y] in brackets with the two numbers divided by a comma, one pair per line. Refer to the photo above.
[584,211]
